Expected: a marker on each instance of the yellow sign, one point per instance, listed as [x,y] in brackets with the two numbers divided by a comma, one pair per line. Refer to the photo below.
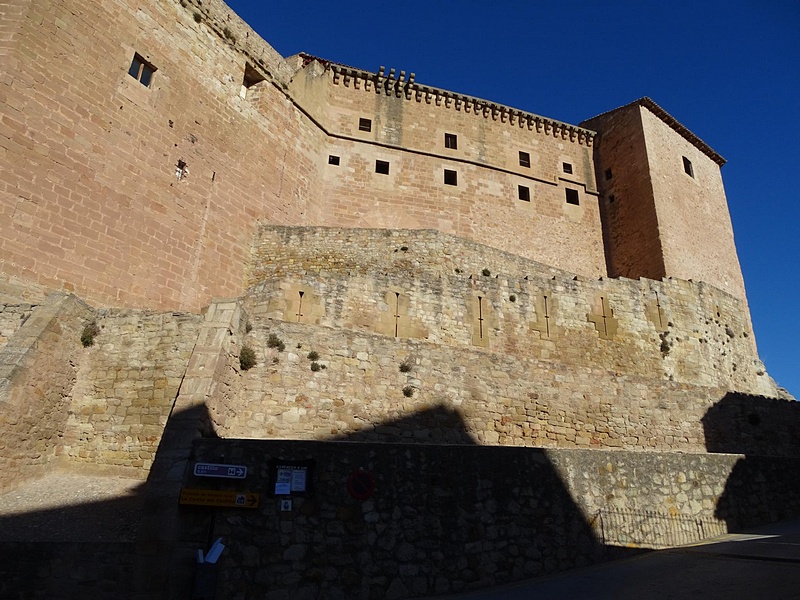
[219,498]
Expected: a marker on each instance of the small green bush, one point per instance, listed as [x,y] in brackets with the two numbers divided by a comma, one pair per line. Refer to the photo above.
[408,391]
[273,341]
[486,272]
[512,298]
[197,17]
[405,366]
[247,358]
[313,355]
[315,366]
[90,331]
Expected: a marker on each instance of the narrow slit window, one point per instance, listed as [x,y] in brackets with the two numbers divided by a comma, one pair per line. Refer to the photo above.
[141,70]
[611,199]
[609,174]
[450,177]
[687,167]
[333,160]
[365,124]
[524,159]
[524,193]
[573,197]
[382,167]
[567,167]
[451,141]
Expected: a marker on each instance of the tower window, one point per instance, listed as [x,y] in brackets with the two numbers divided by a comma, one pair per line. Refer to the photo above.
[567,167]
[141,70]
[451,141]
[382,167]
[365,124]
[524,193]
[609,174]
[524,159]
[450,177]
[573,197]
[687,167]
[333,160]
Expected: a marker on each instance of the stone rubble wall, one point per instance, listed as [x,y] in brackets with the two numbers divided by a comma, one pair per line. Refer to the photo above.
[12,317]
[447,519]
[38,368]
[125,389]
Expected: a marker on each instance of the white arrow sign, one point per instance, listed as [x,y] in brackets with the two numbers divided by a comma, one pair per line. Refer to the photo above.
[223,471]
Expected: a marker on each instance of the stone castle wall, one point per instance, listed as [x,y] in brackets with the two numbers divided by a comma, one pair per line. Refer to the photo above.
[126,386]
[147,196]
[444,519]
[37,372]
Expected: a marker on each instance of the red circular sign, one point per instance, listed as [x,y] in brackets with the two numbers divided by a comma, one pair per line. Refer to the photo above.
[361,484]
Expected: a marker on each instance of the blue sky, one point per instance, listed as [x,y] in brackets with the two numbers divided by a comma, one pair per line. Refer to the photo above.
[727,70]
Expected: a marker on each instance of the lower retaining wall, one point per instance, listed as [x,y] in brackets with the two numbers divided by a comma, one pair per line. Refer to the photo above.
[443,519]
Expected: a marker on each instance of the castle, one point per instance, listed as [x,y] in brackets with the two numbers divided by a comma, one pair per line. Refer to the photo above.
[407,263]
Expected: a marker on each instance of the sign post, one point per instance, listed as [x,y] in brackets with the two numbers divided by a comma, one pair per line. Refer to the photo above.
[221,471]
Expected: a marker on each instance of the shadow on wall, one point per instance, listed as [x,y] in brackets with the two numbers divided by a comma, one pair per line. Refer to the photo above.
[746,424]
[118,547]
[440,519]
[385,519]
[758,490]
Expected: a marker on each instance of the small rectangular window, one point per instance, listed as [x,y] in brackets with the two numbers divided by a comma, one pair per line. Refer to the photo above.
[365,124]
[382,167]
[524,193]
[611,199]
[333,160]
[573,197]
[451,141]
[687,167]
[141,70]
[609,174]
[450,177]
[567,167]
[524,159]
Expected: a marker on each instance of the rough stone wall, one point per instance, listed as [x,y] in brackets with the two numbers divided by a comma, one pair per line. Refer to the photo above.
[125,389]
[37,372]
[408,132]
[12,316]
[450,291]
[448,519]
[90,155]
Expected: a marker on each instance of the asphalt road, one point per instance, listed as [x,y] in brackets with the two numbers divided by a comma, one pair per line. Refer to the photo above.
[764,563]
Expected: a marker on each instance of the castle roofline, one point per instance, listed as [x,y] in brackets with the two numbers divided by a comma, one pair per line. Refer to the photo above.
[400,84]
[676,125]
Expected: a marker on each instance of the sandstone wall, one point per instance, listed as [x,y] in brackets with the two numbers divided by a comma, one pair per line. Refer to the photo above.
[37,372]
[12,317]
[407,130]
[93,196]
[663,219]
[125,390]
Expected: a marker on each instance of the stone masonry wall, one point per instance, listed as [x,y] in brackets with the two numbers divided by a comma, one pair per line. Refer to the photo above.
[407,131]
[12,317]
[125,389]
[90,158]
[37,372]
[446,519]
[445,290]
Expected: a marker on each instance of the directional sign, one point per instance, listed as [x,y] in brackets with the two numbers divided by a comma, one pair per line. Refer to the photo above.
[223,471]
[219,498]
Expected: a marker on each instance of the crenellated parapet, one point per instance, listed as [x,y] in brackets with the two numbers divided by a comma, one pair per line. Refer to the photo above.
[401,87]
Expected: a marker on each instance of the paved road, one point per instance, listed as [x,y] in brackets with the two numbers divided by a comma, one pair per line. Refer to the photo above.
[764,563]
